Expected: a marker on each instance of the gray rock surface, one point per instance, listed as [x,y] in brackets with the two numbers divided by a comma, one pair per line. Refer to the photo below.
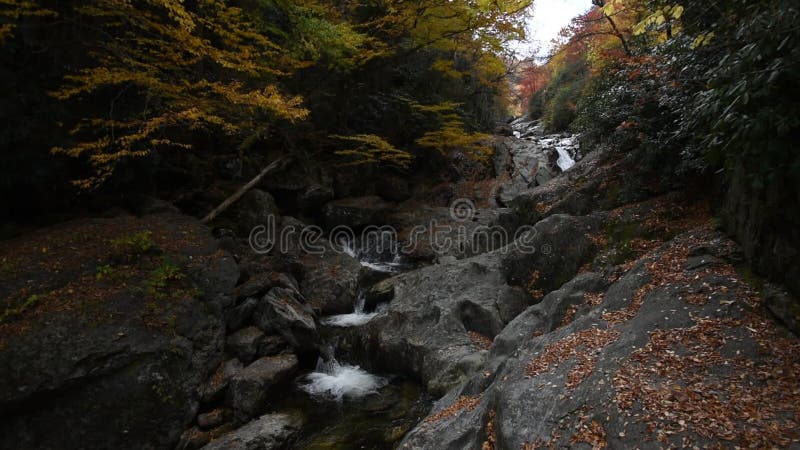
[247,391]
[426,329]
[330,281]
[245,343]
[252,210]
[268,432]
[215,386]
[281,312]
[642,363]
[101,370]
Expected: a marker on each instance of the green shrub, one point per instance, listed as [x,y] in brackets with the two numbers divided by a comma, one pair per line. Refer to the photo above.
[134,244]
[158,279]
[561,109]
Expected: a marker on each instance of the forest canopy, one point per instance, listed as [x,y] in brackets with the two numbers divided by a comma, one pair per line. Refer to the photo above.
[111,94]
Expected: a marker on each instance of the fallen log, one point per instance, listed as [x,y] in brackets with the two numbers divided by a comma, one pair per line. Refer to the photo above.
[278,163]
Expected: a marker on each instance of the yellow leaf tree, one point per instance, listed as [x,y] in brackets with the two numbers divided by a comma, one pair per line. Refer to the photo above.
[158,71]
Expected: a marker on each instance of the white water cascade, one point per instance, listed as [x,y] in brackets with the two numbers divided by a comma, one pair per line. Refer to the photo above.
[354,319]
[335,381]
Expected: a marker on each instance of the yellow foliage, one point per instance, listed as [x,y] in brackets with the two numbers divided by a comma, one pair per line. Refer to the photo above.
[659,17]
[165,59]
[372,149]
[13,10]
[451,134]
[447,68]
[703,40]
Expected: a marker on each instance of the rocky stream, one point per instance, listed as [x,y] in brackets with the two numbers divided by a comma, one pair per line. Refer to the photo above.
[555,304]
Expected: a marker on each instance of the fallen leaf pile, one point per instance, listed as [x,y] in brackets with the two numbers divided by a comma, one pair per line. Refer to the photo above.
[491,433]
[583,346]
[464,403]
[479,340]
[591,433]
[569,316]
[752,401]
[593,299]
[665,271]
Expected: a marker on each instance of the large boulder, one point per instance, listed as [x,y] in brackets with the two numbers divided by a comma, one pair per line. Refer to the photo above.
[330,283]
[301,186]
[766,220]
[245,343]
[530,165]
[252,210]
[281,312]
[440,317]
[247,392]
[675,353]
[268,432]
[104,354]
[458,231]
[430,324]
[559,246]
[214,388]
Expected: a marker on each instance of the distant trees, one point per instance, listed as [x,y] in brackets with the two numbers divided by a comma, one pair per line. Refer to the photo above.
[699,84]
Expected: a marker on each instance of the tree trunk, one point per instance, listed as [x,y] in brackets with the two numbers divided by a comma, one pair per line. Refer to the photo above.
[243,190]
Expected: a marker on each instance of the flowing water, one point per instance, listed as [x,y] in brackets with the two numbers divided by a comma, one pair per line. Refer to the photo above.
[336,381]
[356,318]
[344,405]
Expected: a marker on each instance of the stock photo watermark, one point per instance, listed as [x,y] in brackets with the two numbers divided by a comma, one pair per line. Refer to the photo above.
[443,238]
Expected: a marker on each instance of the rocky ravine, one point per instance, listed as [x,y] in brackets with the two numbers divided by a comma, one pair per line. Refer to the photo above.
[641,333]
[624,323]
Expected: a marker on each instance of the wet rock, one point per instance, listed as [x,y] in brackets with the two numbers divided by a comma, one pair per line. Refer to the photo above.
[257,285]
[382,292]
[429,233]
[426,329]
[213,389]
[247,393]
[330,281]
[281,312]
[272,345]
[268,432]
[504,130]
[245,343]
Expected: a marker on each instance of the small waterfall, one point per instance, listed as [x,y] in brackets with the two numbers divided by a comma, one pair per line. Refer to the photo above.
[333,380]
[354,319]
[378,253]
[565,160]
